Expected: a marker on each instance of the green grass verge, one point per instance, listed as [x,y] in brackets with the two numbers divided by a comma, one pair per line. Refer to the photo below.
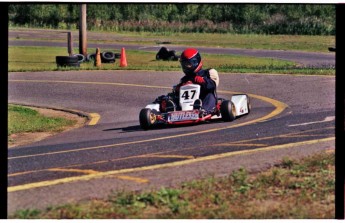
[43,59]
[22,119]
[301,189]
[246,41]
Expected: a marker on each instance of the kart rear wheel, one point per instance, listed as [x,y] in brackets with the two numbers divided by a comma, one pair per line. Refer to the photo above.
[146,118]
[228,111]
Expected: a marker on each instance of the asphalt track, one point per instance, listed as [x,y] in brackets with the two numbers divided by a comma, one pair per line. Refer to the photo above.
[292,116]
[287,112]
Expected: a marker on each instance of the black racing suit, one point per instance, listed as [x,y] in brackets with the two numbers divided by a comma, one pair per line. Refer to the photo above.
[207,90]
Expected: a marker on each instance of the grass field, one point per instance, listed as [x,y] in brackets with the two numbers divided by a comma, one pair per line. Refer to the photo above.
[43,59]
[293,190]
[246,41]
[22,119]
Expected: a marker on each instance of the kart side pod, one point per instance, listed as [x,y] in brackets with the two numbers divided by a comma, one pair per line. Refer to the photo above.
[241,103]
[153,106]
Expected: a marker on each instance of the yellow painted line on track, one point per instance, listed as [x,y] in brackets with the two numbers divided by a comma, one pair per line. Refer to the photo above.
[293,134]
[169,156]
[158,166]
[60,169]
[88,82]
[240,144]
[159,154]
[75,170]
[135,179]
[93,172]
[236,143]
[279,108]
[94,118]
[26,172]
[300,136]
[150,155]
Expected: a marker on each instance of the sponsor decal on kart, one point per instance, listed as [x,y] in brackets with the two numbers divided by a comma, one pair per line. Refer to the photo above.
[183,116]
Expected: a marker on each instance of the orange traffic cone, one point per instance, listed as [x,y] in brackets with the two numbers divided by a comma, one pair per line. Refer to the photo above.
[98,62]
[123,60]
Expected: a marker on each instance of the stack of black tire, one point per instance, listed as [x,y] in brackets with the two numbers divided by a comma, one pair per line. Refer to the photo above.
[67,61]
[165,54]
[106,57]
[76,59]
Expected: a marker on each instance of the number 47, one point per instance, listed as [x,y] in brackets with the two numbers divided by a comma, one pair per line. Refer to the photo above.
[185,94]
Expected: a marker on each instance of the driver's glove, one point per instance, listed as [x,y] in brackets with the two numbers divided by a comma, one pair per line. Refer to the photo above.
[199,80]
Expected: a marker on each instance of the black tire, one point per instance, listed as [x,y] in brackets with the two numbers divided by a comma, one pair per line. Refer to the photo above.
[81,57]
[228,111]
[117,55]
[67,61]
[69,65]
[108,57]
[91,57]
[146,118]
[107,61]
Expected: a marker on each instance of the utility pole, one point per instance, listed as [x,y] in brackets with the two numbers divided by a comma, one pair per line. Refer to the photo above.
[70,43]
[82,30]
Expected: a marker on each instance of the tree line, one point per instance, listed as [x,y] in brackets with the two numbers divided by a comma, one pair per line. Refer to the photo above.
[294,19]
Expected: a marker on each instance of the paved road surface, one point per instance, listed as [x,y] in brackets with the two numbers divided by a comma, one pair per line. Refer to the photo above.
[291,116]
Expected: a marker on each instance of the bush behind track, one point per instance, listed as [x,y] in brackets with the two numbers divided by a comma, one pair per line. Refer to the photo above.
[298,19]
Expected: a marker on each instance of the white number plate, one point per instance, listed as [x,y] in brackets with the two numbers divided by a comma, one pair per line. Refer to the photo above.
[183,116]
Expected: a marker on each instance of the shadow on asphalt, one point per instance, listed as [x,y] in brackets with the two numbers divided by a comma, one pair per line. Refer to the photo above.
[137,128]
[134,128]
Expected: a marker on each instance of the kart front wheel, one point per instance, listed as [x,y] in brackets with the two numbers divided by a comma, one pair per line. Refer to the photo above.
[228,111]
[146,118]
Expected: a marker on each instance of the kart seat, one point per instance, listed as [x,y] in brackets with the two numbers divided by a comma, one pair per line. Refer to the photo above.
[214,76]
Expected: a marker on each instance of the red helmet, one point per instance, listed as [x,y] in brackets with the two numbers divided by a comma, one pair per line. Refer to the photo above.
[190,61]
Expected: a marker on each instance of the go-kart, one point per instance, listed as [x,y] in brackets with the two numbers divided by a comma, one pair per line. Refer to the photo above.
[185,107]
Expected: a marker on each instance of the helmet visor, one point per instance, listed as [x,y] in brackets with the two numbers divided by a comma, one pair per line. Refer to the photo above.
[190,64]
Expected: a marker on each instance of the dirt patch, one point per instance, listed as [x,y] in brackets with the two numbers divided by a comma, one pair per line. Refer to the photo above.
[26,138]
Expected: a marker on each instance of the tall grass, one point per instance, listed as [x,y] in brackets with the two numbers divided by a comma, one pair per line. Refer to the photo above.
[301,19]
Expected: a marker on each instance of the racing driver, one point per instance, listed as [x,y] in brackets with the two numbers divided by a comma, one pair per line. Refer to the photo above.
[208,79]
